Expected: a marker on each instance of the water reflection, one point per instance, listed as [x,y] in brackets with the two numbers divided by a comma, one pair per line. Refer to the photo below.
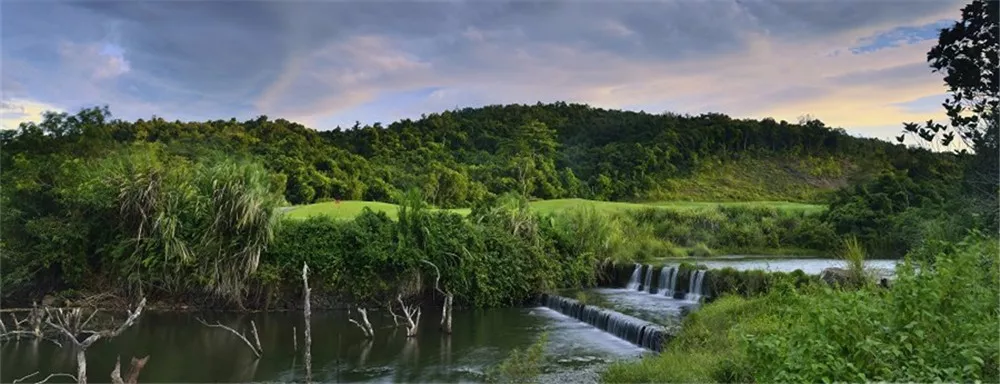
[183,350]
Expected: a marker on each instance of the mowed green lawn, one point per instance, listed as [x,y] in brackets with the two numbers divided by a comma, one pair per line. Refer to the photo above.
[350,209]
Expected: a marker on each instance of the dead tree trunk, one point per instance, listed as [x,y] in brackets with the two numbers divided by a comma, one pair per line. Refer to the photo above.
[308,329]
[446,314]
[133,373]
[411,314]
[448,298]
[71,324]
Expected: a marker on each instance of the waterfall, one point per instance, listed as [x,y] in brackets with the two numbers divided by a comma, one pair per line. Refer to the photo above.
[648,286]
[633,282]
[634,330]
[695,285]
[668,281]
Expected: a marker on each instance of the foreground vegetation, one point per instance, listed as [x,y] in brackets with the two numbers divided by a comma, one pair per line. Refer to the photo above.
[937,322]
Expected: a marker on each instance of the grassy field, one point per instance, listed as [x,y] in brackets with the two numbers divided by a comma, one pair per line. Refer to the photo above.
[350,209]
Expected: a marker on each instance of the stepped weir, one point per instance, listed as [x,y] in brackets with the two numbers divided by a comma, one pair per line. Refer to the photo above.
[668,281]
[637,331]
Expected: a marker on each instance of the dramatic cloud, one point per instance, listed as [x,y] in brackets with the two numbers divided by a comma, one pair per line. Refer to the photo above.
[859,65]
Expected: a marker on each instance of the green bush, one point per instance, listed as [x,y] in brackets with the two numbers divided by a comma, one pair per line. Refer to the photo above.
[501,254]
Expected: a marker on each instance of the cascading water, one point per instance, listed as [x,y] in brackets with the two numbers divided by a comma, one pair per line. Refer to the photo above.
[634,330]
[668,281]
[633,282]
[695,285]
[648,286]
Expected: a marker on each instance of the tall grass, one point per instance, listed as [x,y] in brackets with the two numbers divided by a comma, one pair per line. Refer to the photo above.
[854,256]
[641,235]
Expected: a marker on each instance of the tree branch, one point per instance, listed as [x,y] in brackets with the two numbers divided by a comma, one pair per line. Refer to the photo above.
[46,378]
[240,335]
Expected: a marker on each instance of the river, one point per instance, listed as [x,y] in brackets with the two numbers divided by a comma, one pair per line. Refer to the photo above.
[183,350]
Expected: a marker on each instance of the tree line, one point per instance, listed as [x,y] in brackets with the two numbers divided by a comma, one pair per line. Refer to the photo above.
[461,157]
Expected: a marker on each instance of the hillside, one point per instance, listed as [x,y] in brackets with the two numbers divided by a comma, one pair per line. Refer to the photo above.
[545,151]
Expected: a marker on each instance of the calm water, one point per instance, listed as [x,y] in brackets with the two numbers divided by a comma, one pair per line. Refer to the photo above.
[183,350]
[810,266]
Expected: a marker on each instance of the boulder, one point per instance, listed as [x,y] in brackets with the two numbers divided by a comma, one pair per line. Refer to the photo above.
[835,276]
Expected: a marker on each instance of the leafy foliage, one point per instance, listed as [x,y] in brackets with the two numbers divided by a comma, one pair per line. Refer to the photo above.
[139,219]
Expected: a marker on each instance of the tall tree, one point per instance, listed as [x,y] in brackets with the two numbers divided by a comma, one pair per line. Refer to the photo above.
[529,147]
[967,54]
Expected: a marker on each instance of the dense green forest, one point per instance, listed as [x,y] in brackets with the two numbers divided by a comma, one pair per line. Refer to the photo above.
[458,158]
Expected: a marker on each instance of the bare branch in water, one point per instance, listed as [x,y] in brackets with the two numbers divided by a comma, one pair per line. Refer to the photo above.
[255,350]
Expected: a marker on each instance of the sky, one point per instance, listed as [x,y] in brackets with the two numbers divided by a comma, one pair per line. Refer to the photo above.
[860,65]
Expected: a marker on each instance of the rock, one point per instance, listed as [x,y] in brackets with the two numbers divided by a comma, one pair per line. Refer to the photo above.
[884,282]
[835,276]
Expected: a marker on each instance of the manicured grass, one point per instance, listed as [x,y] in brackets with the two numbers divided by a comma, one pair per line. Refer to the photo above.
[350,209]
[347,209]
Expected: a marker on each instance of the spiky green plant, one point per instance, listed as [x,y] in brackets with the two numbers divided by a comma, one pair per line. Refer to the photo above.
[853,254]
[241,219]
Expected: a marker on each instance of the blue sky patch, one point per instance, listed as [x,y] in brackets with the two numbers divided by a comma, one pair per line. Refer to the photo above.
[901,35]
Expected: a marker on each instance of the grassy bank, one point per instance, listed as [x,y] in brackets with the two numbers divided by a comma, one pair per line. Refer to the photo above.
[350,209]
[936,325]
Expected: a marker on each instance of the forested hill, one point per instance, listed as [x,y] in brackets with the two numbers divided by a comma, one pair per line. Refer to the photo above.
[543,150]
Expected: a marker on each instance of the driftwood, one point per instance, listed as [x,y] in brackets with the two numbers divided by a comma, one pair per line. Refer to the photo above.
[364,324]
[21,380]
[257,350]
[306,313]
[33,328]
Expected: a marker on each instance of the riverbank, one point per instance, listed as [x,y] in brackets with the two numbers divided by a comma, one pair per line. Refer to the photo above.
[500,253]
